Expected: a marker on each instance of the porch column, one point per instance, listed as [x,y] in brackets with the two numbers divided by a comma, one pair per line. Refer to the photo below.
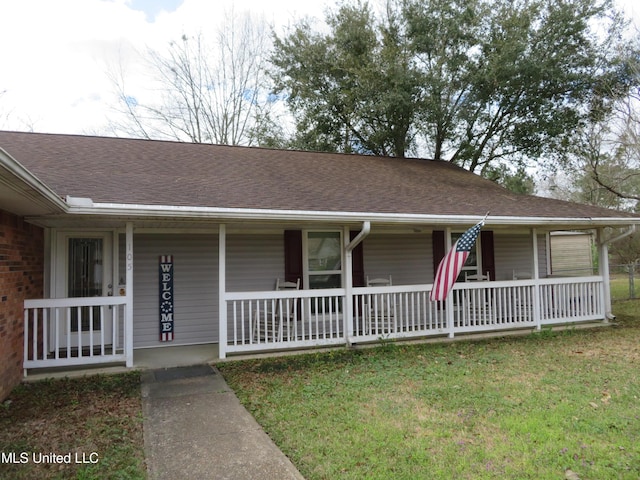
[349,245]
[128,336]
[603,270]
[536,281]
[222,290]
[449,305]
[348,287]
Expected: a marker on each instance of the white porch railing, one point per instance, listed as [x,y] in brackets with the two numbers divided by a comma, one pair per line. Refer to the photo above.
[74,331]
[571,300]
[296,319]
[284,319]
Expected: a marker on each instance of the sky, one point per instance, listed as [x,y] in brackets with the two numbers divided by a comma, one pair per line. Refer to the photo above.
[56,55]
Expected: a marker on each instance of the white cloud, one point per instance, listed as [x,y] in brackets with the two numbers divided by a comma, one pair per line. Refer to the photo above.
[55,55]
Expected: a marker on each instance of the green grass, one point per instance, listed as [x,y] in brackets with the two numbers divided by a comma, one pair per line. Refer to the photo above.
[518,407]
[620,287]
[95,418]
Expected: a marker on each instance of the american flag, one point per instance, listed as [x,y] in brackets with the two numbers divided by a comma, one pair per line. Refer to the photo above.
[452,263]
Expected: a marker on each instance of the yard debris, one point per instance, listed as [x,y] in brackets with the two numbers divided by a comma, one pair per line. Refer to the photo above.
[570,475]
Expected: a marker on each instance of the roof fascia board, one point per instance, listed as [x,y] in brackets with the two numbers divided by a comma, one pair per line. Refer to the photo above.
[16,169]
[131,210]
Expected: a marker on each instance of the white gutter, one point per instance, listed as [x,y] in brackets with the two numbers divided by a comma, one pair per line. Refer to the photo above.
[192,212]
[14,167]
[366,228]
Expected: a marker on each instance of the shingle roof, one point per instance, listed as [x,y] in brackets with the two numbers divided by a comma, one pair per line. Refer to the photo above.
[146,172]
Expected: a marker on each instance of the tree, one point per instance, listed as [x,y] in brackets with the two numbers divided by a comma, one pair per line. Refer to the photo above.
[518,181]
[476,82]
[351,90]
[605,152]
[208,93]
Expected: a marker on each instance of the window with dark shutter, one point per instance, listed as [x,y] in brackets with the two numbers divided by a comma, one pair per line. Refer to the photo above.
[294,258]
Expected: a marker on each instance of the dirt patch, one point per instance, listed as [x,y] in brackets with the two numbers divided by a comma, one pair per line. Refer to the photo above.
[59,428]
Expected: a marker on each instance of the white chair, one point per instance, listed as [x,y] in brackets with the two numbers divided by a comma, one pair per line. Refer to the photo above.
[477,301]
[379,282]
[521,275]
[380,312]
[476,277]
[268,322]
[282,285]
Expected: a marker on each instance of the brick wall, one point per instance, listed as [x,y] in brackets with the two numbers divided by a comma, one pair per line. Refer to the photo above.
[21,278]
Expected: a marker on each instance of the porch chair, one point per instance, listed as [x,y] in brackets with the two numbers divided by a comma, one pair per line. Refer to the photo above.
[268,324]
[478,302]
[380,311]
[521,275]
[476,277]
[379,282]
[522,307]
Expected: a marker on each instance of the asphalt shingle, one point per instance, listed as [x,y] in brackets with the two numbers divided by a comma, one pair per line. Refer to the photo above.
[149,172]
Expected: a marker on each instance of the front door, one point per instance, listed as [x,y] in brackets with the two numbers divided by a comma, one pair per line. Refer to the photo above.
[87,272]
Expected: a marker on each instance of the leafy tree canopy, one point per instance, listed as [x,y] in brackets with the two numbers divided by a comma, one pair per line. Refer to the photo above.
[477,82]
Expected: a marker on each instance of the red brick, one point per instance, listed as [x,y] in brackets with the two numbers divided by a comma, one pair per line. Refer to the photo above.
[21,277]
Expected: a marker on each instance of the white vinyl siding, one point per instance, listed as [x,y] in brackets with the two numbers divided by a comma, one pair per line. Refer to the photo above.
[515,252]
[407,258]
[195,284]
[254,262]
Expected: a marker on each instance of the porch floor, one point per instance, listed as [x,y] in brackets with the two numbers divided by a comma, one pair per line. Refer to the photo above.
[178,356]
[186,355]
[143,359]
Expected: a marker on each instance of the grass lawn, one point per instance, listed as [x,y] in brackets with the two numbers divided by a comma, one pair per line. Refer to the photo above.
[89,419]
[620,287]
[519,407]
[546,405]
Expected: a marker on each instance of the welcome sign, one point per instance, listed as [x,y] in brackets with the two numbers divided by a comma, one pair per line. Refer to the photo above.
[166,298]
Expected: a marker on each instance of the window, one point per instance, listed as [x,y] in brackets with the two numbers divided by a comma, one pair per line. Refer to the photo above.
[472,265]
[323,262]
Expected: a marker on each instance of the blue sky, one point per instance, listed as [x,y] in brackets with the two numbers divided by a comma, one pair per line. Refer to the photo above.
[56,55]
[153,7]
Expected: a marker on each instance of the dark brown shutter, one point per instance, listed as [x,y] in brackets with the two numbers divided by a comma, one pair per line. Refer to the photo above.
[437,238]
[293,256]
[488,257]
[357,263]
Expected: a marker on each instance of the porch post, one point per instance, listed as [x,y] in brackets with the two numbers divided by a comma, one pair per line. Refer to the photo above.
[536,281]
[603,270]
[349,246]
[128,336]
[449,306]
[222,290]
[348,287]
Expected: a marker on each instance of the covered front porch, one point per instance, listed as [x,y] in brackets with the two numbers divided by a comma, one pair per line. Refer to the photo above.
[99,330]
[260,321]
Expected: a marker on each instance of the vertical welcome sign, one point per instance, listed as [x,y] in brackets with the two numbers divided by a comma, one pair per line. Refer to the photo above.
[166,298]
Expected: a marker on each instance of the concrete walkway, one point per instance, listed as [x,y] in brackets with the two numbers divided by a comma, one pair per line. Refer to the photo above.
[195,427]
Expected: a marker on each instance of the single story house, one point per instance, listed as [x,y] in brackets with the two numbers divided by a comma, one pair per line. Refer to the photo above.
[109,245]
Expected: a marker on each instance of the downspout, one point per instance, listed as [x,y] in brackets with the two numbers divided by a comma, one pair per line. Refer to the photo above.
[366,229]
[603,251]
[631,231]
[348,284]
